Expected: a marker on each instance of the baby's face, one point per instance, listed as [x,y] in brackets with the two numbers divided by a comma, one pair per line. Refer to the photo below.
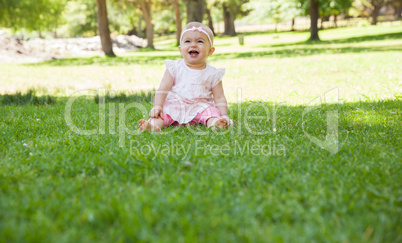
[195,49]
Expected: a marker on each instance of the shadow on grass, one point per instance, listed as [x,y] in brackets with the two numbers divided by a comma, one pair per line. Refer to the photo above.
[388,36]
[107,61]
[147,96]
[140,96]
[282,53]
[277,53]
[30,98]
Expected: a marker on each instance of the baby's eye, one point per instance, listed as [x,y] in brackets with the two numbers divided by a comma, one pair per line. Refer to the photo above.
[187,41]
[200,41]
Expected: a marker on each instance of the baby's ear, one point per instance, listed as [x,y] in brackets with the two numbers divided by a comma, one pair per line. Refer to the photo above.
[211,51]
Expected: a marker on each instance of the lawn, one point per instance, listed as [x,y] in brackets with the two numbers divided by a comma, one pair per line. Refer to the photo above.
[314,156]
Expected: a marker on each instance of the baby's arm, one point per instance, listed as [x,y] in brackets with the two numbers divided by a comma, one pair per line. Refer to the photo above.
[221,102]
[160,96]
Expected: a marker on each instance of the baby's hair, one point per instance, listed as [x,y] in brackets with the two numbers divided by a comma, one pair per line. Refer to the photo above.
[203,26]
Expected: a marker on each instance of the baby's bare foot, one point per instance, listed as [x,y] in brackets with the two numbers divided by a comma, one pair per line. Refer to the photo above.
[147,126]
[144,125]
[221,123]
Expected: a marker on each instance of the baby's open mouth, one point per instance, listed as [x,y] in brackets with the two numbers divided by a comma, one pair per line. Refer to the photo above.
[193,53]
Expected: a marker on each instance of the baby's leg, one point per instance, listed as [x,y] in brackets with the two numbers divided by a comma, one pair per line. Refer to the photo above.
[154,125]
[217,123]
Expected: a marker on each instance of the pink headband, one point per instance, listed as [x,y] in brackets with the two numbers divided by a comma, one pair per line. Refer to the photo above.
[195,29]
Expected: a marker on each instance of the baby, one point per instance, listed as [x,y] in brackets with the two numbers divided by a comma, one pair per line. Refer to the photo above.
[185,92]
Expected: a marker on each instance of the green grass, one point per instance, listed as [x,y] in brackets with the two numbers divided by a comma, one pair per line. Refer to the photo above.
[263,180]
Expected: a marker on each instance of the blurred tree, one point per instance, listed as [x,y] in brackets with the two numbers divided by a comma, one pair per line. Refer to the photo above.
[103,26]
[314,15]
[52,17]
[177,15]
[159,17]
[315,7]
[39,15]
[80,18]
[375,6]
[397,5]
[209,18]
[275,11]
[323,8]
[371,8]
[145,6]
[195,10]
[213,14]
[164,20]
[123,18]
[231,10]
[334,8]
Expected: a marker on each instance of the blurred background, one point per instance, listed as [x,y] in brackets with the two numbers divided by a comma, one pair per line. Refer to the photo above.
[32,30]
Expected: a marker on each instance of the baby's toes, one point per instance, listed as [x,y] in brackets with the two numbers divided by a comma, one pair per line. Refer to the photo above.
[143,125]
[221,123]
[224,123]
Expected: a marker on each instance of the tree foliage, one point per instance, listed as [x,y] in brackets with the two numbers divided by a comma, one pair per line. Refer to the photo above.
[79,17]
[275,11]
[326,7]
[322,8]
[333,7]
[374,7]
[237,7]
[40,15]
[123,17]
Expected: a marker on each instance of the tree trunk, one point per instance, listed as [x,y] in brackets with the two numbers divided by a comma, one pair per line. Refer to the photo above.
[398,11]
[103,26]
[133,31]
[195,10]
[228,19]
[335,23]
[210,22]
[176,7]
[145,6]
[140,28]
[313,10]
[293,25]
[321,23]
[374,15]
[376,7]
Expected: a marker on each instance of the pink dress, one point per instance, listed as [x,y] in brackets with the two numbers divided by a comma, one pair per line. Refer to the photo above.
[191,92]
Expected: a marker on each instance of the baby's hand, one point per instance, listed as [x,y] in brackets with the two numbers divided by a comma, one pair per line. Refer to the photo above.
[228,120]
[156,112]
